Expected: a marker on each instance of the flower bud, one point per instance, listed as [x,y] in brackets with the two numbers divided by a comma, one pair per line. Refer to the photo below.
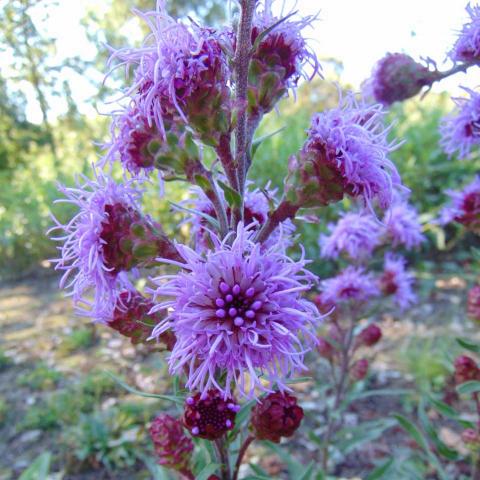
[131,240]
[370,335]
[473,303]
[466,369]
[398,77]
[325,348]
[173,448]
[132,319]
[209,417]
[359,369]
[278,415]
[471,439]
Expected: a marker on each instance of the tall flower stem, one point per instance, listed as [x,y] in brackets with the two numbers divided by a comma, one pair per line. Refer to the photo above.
[462,67]
[222,453]
[284,211]
[242,61]
[241,453]
[340,387]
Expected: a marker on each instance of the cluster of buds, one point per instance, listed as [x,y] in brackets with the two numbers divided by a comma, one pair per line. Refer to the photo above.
[397,77]
[173,448]
[276,416]
[210,415]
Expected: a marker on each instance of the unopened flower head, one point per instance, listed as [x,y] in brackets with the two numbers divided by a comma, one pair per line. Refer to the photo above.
[397,77]
[179,71]
[473,303]
[237,309]
[346,152]
[90,253]
[397,281]
[370,335]
[132,319]
[355,234]
[402,225]
[173,448]
[466,369]
[276,416]
[351,285]
[461,131]
[280,59]
[210,415]
[359,369]
[467,46]
[464,207]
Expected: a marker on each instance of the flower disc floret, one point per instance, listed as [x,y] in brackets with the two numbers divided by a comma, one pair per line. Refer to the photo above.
[237,310]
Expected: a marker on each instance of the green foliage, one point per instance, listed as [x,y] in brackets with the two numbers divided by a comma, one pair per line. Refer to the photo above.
[3,410]
[39,469]
[4,360]
[110,438]
[41,377]
[80,339]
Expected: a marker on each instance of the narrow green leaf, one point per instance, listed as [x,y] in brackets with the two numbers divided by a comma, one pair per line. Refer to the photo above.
[258,141]
[473,347]
[39,469]
[212,221]
[307,474]
[379,472]
[412,430]
[232,197]
[130,389]
[207,471]
[469,387]
[241,417]
[441,407]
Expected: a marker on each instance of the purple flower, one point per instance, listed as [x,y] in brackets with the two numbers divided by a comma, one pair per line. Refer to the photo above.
[346,152]
[397,77]
[461,132]
[237,310]
[398,282]
[351,285]
[179,71]
[464,207]
[90,259]
[284,45]
[356,234]
[256,209]
[467,46]
[403,226]
[134,142]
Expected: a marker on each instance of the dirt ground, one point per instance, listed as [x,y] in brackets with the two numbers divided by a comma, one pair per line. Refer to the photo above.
[35,320]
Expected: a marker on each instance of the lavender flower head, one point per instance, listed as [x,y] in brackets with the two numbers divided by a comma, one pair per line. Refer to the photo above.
[461,132]
[402,225]
[351,285]
[356,234]
[90,261]
[237,310]
[397,281]
[467,46]
[132,142]
[346,153]
[174,64]
[284,46]
[464,207]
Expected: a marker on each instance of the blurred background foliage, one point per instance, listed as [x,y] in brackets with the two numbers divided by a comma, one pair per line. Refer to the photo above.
[34,157]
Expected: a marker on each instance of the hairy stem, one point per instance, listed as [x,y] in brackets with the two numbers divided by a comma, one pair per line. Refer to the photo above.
[462,67]
[339,389]
[222,454]
[218,204]
[284,211]
[242,62]
[241,454]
